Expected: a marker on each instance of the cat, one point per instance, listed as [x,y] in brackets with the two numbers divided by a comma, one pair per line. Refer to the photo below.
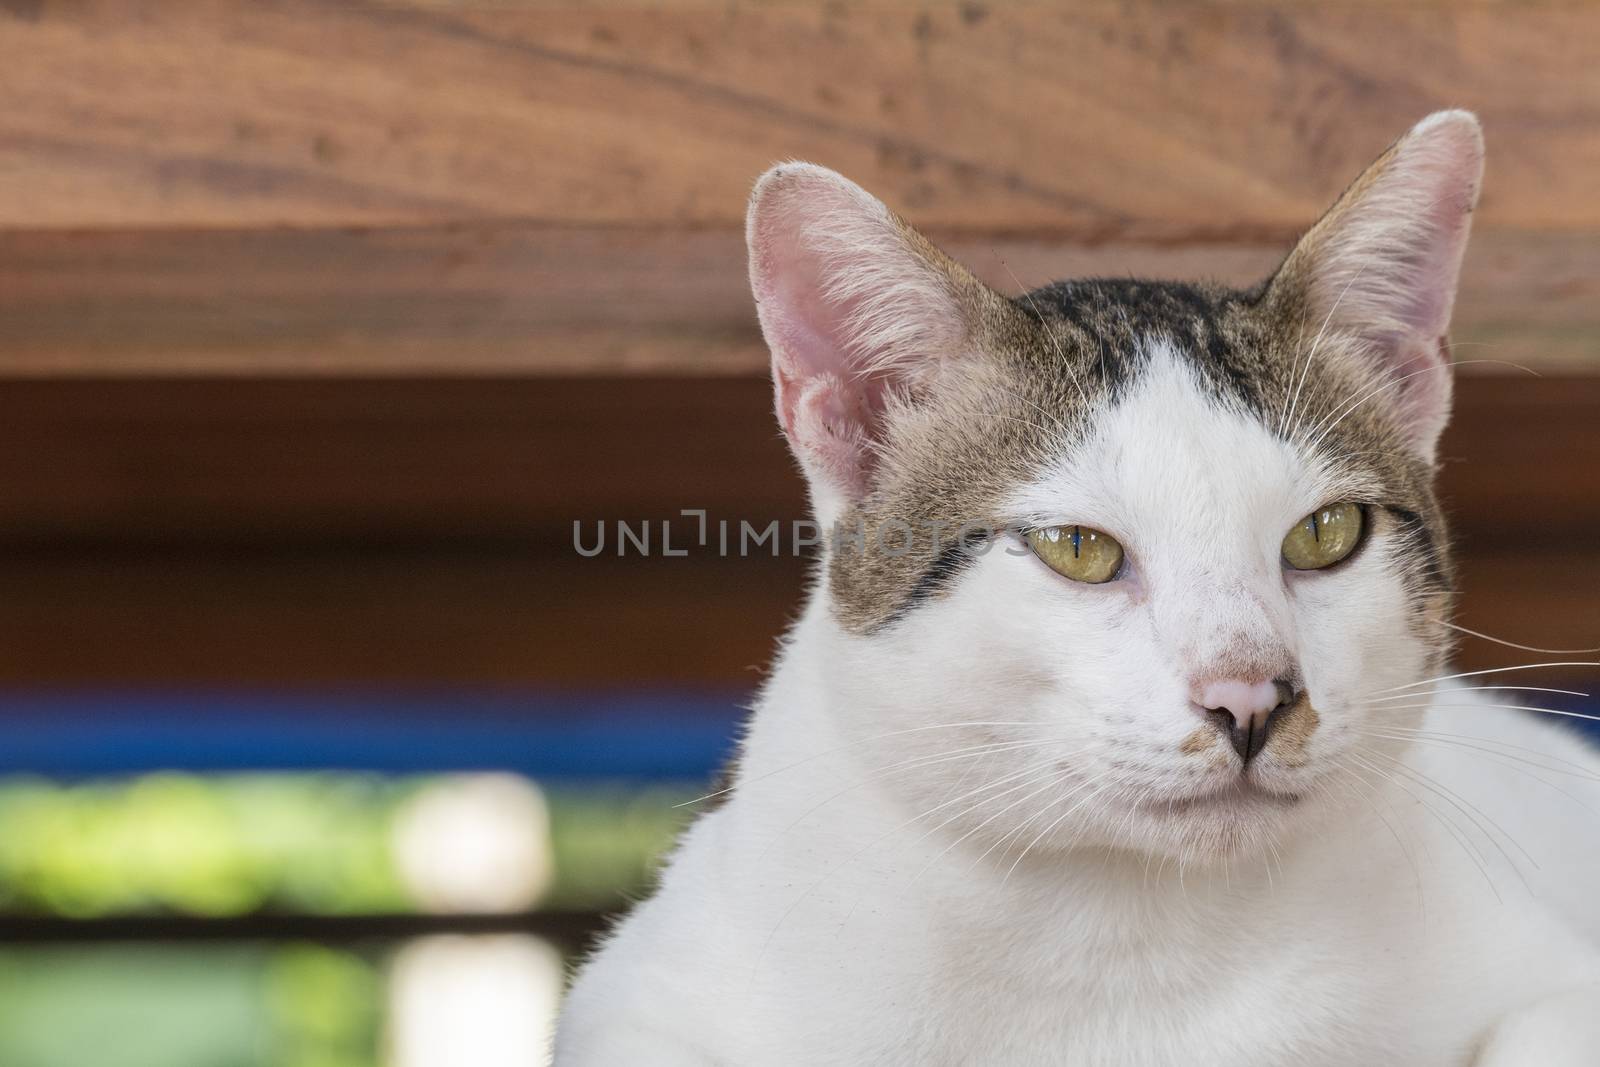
[1135,740]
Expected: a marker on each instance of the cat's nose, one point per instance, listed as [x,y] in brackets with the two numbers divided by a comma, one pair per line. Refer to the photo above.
[1244,711]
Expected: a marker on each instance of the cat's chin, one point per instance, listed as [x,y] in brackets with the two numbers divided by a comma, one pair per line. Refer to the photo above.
[1240,797]
[1239,818]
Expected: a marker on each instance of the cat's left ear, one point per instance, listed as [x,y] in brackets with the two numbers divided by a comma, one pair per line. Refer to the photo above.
[1382,265]
[860,311]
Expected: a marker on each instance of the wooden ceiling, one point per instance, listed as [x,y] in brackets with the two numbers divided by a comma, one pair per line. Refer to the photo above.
[418,187]
[1147,121]
[321,322]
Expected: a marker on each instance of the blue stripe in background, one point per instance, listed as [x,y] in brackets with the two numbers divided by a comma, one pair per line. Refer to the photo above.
[621,735]
[632,734]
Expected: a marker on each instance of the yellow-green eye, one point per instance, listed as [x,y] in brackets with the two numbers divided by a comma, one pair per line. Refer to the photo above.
[1078,552]
[1324,537]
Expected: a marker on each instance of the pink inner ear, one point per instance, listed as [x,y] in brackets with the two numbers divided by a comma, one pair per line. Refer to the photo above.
[1387,261]
[828,404]
[823,418]
[812,340]
[845,305]
[1423,369]
[1427,274]
[1411,227]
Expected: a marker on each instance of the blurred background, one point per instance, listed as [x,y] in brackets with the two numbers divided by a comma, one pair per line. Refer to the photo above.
[322,323]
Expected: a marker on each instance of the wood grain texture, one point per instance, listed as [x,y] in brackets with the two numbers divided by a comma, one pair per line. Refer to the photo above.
[419,532]
[1133,120]
[503,299]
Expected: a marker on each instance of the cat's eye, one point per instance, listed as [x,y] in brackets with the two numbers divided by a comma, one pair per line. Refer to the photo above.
[1078,552]
[1324,537]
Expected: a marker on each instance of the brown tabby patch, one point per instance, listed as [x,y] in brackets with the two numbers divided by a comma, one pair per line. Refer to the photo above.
[1040,366]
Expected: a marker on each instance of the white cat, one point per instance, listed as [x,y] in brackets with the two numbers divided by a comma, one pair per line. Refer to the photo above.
[1118,727]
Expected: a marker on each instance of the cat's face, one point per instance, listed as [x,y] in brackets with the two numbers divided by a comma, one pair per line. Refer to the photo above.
[1122,563]
[1097,689]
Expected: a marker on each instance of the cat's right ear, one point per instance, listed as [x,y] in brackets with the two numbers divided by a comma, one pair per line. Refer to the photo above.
[859,311]
[1381,267]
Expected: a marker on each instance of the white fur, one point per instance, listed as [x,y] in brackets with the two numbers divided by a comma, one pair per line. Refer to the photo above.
[846,907]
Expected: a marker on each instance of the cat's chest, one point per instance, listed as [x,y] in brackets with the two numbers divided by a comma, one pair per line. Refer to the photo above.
[1153,1005]
[947,987]
[854,968]
[1166,997]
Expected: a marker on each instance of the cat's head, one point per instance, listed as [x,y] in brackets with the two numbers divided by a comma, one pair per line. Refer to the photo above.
[1172,549]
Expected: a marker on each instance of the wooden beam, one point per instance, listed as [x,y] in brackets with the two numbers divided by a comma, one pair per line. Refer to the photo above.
[373,463]
[420,532]
[1140,120]
[287,618]
[511,464]
[502,299]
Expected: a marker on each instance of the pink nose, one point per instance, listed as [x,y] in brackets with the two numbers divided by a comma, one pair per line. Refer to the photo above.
[1243,710]
[1243,700]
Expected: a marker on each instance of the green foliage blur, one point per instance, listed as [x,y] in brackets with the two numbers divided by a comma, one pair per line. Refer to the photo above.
[608,842]
[298,843]
[193,845]
[159,1006]
[234,844]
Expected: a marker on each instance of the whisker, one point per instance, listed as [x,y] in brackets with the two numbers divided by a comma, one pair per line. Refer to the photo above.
[1054,779]
[1577,770]
[1021,827]
[1367,796]
[874,843]
[1047,830]
[1525,648]
[1455,833]
[1499,759]
[1060,431]
[1482,689]
[1328,425]
[1496,707]
[1033,774]
[1054,774]
[1295,399]
[908,766]
[1277,855]
[1132,798]
[853,744]
[1294,403]
[1491,670]
[1055,341]
[978,765]
[1299,340]
[1060,424]
[1019,830]
[1030,773]
[1470,809]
